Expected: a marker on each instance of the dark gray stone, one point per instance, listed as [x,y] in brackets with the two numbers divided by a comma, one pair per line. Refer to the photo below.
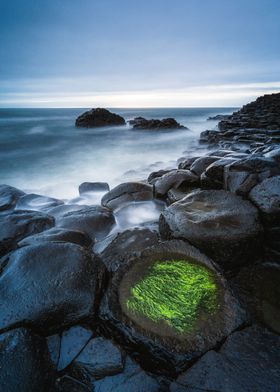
[9,197]
[25,362]
[33,202]
[175,179]
[99,118]
[201,164]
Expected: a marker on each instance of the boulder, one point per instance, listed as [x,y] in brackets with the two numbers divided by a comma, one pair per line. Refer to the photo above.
[9,197]
[259,291]
[94,221]
[201,164]
[221,224]
[49,286]
[20,224]
[125,245]
[33,202]
[154,176]
[57,234]
[63,209]
[248,361]
[243,175]
[186,163]
[126,193]
[99,118]
[147,308]
[175,179]
[25,362]
[86,187]
[53,342]
[166,123]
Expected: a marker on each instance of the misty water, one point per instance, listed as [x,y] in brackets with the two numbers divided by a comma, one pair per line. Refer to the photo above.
[42,152]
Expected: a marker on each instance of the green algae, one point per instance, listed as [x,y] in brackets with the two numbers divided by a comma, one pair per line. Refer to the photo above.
[175,292]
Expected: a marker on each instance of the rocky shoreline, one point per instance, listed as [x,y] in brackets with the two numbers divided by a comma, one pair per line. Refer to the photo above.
[87,306]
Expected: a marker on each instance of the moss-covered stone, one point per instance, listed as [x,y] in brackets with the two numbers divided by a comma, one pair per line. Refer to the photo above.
[174,292]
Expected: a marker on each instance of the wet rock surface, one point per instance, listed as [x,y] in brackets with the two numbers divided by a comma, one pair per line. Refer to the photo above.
[35,202]
[178,179]
[219,223]
[99,118]
[86,187]
[48,286]
[25,362]
[166,123]
[9,197]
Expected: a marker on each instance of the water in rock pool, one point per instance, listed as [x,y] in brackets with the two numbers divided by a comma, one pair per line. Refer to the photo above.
[41,151]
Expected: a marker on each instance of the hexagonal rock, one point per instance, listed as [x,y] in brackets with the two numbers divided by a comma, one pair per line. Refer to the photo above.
[201,164]
[9,196]
[49,286]
[95,221]
[175,179]
[19,224]
[219,223]
[25,362]
[266,196]
[126,193]
[168,306]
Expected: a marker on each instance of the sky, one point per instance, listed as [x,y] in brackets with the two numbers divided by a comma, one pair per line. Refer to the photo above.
[130,53]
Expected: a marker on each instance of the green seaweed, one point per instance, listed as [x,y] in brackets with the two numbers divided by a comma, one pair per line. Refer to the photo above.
[175,292]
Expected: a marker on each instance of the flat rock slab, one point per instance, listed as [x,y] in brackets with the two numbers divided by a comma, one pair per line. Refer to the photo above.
[248,361]
[94,221]
[221,224]
[160,346]
[126,193]
[25,362]
[49,286]
[19,224]
[100,358]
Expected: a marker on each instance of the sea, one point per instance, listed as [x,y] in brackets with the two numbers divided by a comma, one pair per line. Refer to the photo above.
[41,150]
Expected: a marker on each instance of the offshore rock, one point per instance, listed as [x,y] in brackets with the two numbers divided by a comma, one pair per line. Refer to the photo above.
[99,118]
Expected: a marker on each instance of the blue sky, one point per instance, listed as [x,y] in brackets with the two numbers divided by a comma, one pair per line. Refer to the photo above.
[120,53]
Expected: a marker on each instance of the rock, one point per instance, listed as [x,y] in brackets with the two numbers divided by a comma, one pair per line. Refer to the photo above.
[58,235]
[258,288]
[266,196]
[86,187]
[186,163]
[94,221]
[100,358]
[273,154]
[166,123]
[126,193]
[53,343]
[219,223]
[154,176]
[73,341]
[33,202]
[25,362]
[248,361]
[201,164]
[174,195]
[61,210]
[99,118]
[125,245]
[49,286]
[213,177]
[219,117]
[243,175]
[9,197]
[175,179]
[133,379]
[69,384]
[167,344]
[20,224]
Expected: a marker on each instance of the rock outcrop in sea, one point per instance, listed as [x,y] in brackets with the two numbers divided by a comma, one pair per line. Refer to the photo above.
[155,124]
[187,302]
[99,118]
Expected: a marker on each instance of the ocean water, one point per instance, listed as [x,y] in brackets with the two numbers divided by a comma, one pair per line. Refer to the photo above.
[42,152]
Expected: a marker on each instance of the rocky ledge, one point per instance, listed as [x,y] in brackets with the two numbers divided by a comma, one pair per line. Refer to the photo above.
[99,118]
[187,302]
[166,123]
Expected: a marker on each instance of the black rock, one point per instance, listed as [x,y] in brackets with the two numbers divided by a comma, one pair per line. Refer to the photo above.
[54,342]
[100,358]
[57,234]
[70,384]
[126,193]
[99,118]
[157,346]
[25,362]
[201,164]
[19,224]
[166,123]
[33,202]
[73,341]
[219,223]
[248,361]
[186,163]
[175,179]
[95,221]
[154,176]
[9,197]
[86,187]
[219,117]
[49,286]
